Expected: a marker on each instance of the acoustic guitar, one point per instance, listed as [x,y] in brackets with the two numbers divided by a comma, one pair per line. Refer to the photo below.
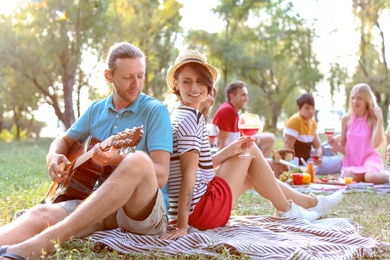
[83,172]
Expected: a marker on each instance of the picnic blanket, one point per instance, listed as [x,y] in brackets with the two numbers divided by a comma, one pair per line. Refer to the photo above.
[256,237]
[355,187]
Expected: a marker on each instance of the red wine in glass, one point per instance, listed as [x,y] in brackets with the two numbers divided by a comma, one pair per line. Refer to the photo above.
[212,131]
[315,158]
[249,124]
[315,154]
[329,132]
[249,131]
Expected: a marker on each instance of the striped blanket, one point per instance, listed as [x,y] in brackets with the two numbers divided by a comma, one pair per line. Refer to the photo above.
[355,187]
[257,237]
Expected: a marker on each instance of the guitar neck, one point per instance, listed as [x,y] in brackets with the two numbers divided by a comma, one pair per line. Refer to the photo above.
[82,159]
[121,141]
[88,154]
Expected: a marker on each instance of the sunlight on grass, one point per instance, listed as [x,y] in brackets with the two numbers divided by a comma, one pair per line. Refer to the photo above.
[24,183]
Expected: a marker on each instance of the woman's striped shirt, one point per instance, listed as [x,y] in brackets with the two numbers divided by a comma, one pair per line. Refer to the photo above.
[189,133]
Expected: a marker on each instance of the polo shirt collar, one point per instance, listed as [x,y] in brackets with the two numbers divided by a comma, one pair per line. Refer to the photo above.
[230,103]
[133,107]
[306,122]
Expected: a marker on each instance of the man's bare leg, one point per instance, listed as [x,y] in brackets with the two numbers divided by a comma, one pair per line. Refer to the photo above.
[133,185]
[32,222]
[266,141]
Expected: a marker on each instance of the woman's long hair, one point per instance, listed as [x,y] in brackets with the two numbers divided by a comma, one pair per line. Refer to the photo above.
[365,91]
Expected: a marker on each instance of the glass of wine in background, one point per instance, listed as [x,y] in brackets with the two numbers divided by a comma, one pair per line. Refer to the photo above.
[249,124]
[212,131]
[329,131]
[315,154]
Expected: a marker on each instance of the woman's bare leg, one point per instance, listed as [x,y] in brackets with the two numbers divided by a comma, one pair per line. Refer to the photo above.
[376,177]
[238,171]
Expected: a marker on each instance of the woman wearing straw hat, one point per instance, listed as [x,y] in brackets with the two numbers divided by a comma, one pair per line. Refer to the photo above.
[203,189]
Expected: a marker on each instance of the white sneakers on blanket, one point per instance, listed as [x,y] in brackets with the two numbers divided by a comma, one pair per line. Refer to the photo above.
[299,212]
[326,203]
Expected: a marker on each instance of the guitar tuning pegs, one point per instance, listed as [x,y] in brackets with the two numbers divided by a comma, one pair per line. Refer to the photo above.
[128,132]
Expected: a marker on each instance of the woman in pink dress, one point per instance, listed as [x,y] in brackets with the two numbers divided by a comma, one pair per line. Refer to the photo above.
[362,133]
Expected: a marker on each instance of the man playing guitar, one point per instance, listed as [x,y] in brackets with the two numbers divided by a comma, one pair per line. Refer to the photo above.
[132,196]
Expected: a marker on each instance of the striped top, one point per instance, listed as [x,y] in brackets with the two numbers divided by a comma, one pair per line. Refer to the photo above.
[189,133]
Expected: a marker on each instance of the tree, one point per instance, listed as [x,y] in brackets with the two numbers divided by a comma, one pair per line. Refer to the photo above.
[19,104]
[337,77]
[266,45]
[373,68]
[45,46]
[152,25]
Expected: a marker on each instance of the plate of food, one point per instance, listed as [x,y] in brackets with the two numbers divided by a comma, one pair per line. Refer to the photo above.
[299,186]
[331,179]
[332,182]
[325,187]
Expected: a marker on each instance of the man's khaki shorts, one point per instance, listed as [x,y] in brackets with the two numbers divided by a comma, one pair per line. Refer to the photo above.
[155,223]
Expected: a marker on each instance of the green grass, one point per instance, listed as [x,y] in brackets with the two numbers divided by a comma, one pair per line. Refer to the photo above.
[24,183]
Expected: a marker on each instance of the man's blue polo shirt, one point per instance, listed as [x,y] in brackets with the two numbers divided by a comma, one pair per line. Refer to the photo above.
[101,120]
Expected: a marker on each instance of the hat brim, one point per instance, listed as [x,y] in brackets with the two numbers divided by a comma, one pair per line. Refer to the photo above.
[171,73]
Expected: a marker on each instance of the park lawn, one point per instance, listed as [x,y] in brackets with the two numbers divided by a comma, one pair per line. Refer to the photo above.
[24,183]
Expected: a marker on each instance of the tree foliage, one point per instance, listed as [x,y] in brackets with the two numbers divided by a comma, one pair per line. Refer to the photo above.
[153,25]
[263,43]
[373,66]
[44,43]
[266,45]
[45,46]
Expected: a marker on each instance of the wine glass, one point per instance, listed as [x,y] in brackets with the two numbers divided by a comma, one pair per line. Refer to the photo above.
[249,124]
[329,131]
[315,154]
[212,131]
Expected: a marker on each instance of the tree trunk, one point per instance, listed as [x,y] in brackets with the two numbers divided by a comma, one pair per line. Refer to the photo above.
[16,122]
[30,124]
[68,83]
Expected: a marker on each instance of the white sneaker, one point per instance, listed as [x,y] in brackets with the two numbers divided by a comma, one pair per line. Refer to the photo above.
[326,203]
[299,212]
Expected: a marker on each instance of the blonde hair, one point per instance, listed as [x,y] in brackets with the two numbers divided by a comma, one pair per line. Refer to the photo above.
[364,90]
[366,93]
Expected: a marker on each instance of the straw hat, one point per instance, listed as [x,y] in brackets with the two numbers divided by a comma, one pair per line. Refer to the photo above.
[187,57]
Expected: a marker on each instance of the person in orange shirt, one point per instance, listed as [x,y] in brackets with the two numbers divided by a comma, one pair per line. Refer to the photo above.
[301,134]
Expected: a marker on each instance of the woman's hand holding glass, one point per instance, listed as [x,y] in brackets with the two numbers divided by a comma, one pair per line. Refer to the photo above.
[249,124]
[329,131]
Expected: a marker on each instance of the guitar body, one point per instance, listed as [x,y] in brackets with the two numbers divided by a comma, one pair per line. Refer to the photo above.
[83,172]
[81,180]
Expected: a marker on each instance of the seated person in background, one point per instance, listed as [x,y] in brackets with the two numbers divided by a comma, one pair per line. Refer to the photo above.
[226,118]
[301,135]
[361,133]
